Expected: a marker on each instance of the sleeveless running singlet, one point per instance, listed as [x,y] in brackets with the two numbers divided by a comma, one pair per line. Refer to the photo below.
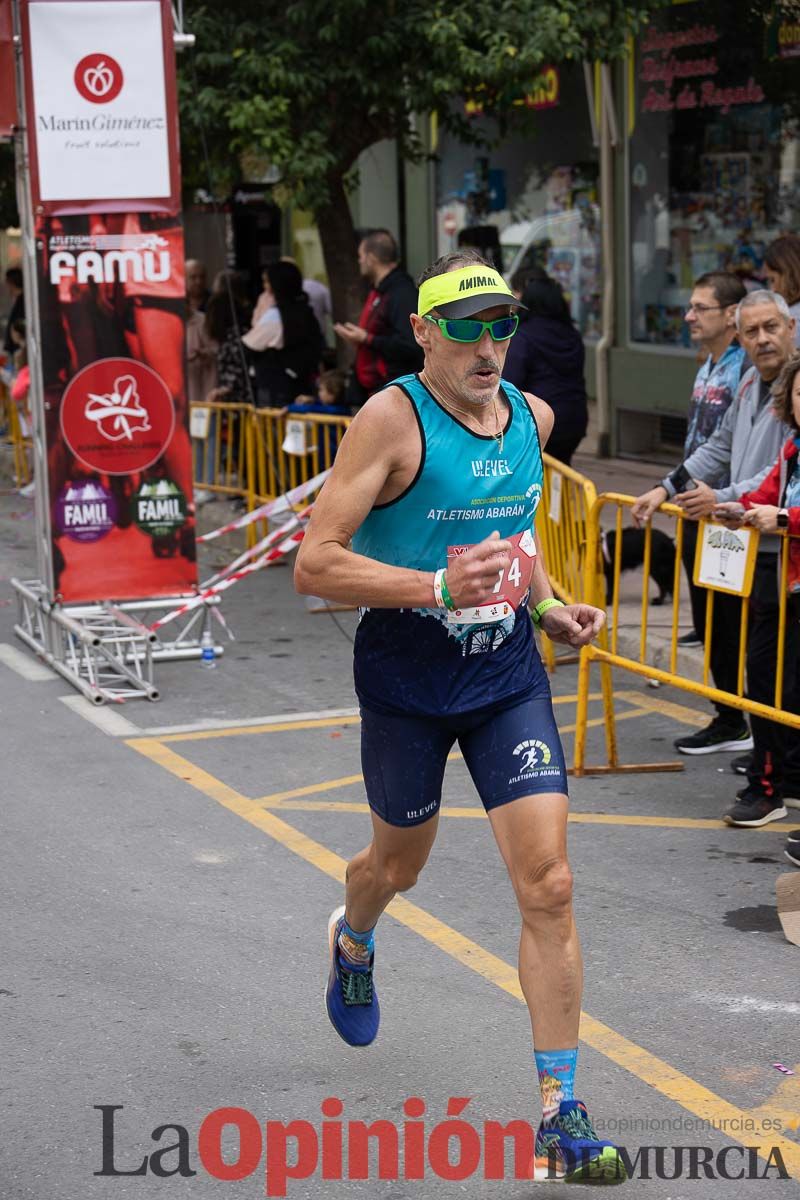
[414,660]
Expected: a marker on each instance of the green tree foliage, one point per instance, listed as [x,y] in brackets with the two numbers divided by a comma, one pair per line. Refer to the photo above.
[311,84]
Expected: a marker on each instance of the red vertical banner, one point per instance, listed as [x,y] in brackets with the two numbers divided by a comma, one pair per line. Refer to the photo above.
[8,86]
[102,134]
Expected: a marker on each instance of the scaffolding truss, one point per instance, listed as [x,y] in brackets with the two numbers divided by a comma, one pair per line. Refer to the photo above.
[106,650]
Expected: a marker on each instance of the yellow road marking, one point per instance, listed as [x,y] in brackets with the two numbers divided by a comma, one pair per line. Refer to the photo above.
[680,1088]
[667,708]
[199,735]
[283,801]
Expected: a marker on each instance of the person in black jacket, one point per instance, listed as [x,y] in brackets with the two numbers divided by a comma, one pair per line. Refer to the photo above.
[385,345]
[546,357]
[285,337]
[17,310]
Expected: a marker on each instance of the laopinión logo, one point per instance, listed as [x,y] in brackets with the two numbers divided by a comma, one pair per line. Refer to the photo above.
[99,78]
[453,1149]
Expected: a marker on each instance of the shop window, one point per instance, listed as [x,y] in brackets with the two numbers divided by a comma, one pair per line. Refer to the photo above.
[530,198]
[714,156]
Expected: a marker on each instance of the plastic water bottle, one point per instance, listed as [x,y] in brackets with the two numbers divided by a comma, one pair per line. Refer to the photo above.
[207,656]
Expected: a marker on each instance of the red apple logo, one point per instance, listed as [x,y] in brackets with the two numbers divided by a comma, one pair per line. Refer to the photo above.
[99,78]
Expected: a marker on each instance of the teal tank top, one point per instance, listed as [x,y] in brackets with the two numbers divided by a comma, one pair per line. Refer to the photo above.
[414,660]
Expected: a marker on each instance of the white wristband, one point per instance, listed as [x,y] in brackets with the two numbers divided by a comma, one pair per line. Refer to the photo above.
[437,588]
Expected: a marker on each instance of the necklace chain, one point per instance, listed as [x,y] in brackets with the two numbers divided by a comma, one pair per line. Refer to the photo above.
[498,435]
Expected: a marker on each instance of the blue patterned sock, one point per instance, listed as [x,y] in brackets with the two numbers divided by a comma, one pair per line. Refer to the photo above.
[356,948]
[556,1070]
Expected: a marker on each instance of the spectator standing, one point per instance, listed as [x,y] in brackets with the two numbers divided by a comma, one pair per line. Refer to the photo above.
[285,338]
[546,357]
[734,460]
[711,317]
[384,342]
[774,768]
[17,310]
[782,270]
[227,314]
[197,293]
[319,297]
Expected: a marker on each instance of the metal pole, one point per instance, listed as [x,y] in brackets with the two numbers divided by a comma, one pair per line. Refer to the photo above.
[607,143]
[44,543]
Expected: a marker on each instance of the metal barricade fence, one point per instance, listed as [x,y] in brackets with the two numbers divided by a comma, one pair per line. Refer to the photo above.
[647,662]
[222,449]
[291,448]
[21,442]
[567,500]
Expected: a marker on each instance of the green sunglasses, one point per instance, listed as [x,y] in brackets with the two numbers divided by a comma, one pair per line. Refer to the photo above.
[468,330]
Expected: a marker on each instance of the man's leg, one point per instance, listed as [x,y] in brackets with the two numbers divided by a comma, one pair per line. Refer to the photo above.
[531,834]
[762,800]
[388,865]
[724,650]
[403,758]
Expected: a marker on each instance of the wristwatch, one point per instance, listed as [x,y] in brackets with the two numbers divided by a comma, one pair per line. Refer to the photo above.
[782,518]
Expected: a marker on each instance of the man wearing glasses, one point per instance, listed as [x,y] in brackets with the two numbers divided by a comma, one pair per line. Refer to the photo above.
[711,319]
[437,483]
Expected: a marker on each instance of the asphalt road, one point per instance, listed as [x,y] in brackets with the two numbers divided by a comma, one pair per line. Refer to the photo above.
[163,942]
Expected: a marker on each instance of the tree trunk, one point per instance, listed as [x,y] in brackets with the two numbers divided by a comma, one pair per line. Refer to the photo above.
[340,250]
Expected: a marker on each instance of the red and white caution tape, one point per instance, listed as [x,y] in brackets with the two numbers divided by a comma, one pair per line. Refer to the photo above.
[286,546]
[265,543]
[272,508]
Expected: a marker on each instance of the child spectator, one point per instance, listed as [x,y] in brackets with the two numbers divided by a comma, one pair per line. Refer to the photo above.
[329,402]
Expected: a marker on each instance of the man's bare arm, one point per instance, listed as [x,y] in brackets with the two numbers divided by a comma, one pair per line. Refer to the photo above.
[373,455]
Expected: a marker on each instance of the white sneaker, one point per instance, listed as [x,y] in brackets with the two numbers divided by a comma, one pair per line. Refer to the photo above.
[29,489]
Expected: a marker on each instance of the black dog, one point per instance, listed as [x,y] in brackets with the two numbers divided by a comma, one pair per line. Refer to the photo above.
[662,559]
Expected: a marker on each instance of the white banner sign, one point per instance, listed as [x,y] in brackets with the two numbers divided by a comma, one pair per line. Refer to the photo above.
[99,97]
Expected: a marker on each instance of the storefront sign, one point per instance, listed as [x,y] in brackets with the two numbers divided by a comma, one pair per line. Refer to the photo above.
[101,104]
[667,73]
[544,93]
[789,40]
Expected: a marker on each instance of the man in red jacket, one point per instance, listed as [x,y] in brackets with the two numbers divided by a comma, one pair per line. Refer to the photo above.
[384,341]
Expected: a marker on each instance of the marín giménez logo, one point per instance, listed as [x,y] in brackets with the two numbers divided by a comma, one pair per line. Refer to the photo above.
[118,414]
[99,78]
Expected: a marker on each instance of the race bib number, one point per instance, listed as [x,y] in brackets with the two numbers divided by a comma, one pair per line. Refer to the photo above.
[512,583]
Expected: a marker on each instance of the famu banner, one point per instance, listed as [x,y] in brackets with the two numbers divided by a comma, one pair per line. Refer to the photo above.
[111,307]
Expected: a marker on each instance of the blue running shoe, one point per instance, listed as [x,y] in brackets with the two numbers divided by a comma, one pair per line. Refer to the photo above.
[569,1150]
[350,996]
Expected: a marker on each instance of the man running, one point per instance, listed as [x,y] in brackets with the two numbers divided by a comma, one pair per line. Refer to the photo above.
[437,483]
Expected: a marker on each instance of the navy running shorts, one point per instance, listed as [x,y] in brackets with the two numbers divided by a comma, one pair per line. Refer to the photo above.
[510,751]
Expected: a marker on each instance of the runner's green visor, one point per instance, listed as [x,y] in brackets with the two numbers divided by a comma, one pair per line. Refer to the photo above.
[464,292]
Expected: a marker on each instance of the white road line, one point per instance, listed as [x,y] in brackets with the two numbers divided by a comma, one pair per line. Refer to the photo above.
[24,663]
[209,725]
[107,719]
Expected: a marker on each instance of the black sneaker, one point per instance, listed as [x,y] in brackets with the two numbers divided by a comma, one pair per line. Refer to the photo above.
[692,638]
[715,737]
[742,765]
[792,848]
[753,807]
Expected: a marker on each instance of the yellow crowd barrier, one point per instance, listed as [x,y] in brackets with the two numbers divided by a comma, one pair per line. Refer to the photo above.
[649,660]
[567,500]
[21,442]
[260,453]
